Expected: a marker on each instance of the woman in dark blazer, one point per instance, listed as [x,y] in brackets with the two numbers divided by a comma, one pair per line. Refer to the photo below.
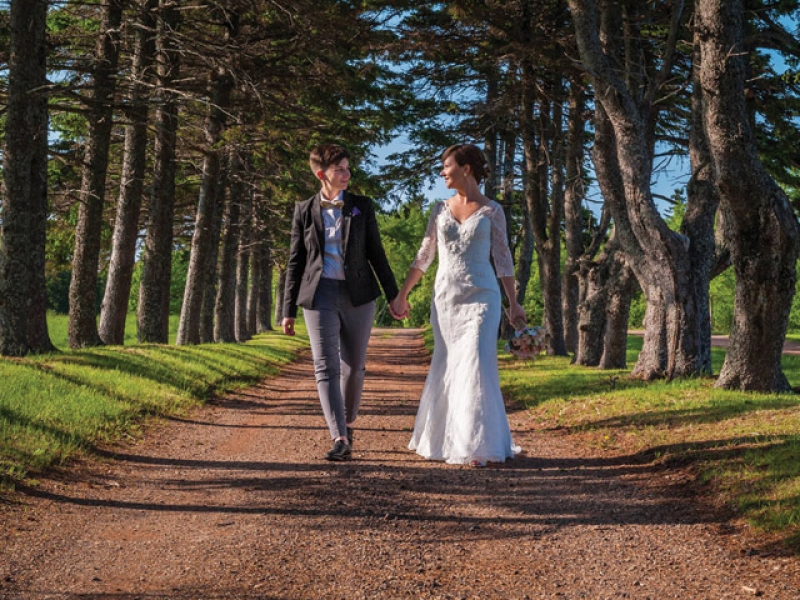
[336,261]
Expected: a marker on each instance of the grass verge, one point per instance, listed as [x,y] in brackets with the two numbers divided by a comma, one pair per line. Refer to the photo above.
[54,406]
[745,446]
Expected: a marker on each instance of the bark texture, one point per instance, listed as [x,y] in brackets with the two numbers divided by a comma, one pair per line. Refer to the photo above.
[698,222]
[263,250]
[574,223]
[592,314]
[243,262]
[607,285]
[550,252]
[279,290]
[626,95]
[253,293]
[154,290]
[38,335]
[88,232]
[545,216]
[211,279]
[24,181]
[203,238]
[114,308]
[621,285]
[224,309]
[759,223]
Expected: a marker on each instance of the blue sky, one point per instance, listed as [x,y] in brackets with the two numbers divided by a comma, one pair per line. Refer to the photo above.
[672,175]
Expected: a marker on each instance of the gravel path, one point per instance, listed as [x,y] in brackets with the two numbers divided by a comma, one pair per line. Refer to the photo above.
[234,502]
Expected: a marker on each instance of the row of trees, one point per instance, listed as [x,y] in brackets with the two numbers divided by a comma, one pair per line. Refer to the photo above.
[641,81]
[197,116]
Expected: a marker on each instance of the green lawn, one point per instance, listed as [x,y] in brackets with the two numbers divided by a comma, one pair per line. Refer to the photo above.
[745,447]
[54,406]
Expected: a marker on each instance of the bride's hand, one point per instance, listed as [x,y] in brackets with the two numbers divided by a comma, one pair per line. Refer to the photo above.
[517,316]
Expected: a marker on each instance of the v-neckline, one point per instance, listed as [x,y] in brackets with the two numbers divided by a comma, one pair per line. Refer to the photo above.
[472,214]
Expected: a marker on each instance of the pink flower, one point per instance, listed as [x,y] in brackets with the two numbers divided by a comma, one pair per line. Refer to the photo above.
[527,343]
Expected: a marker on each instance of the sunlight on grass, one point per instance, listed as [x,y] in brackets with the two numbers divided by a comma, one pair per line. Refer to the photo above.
[766,482]
[58,328]
[746,445]
[55,405]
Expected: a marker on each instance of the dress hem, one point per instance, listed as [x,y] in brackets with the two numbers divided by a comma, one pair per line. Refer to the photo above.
[515,450]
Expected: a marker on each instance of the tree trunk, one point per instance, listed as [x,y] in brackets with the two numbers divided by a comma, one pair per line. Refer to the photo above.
[545,216]
[608,286]
[527,246]
[550,251]
[203,237]
[759,222]
[507,197]
[574,225]
[530,180]
[114,309]
[253,291]
[88,231]
[591,313]
[154,289]
[224,310]
[209,287]
[507,200]
[264,317]
[490,133]
[587,294]
[279,296]
[698,221]
[38,335]
[621,285]
[24,178]
[243,333]
[660,256]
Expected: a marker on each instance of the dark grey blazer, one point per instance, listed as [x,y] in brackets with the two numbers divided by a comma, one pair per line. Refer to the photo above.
[364,257]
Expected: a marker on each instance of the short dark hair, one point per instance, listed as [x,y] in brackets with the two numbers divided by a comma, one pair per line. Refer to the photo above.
[326,155]
[468,154]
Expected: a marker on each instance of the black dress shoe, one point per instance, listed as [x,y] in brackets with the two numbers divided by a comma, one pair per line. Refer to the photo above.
[350,436]
[340,451]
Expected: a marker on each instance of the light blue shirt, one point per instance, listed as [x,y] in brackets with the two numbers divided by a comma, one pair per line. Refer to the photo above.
[333,258]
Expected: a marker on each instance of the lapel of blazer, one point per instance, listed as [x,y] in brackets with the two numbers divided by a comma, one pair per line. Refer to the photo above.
[347,212]
[319,225]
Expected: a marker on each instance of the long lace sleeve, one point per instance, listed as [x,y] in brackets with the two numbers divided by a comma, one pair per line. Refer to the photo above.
[427,249]
[501,253]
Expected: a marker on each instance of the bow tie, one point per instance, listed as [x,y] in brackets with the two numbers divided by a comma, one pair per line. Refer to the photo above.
[331,203]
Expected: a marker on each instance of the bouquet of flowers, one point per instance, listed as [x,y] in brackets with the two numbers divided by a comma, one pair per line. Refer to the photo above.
[527,342]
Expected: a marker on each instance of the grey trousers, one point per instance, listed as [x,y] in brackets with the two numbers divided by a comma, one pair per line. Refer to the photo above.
[339,333]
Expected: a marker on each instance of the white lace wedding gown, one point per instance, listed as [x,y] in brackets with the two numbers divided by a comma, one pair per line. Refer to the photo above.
[461,416]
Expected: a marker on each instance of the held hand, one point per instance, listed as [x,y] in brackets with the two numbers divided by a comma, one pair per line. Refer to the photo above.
[399,308]
[288,326]
[395,310]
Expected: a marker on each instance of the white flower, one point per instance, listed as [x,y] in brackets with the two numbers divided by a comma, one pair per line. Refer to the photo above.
[527,343]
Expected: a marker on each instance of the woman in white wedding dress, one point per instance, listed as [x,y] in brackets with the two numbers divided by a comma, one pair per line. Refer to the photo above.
[461,417]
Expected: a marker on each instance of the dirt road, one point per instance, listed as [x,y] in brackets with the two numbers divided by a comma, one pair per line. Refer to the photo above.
[234,502]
